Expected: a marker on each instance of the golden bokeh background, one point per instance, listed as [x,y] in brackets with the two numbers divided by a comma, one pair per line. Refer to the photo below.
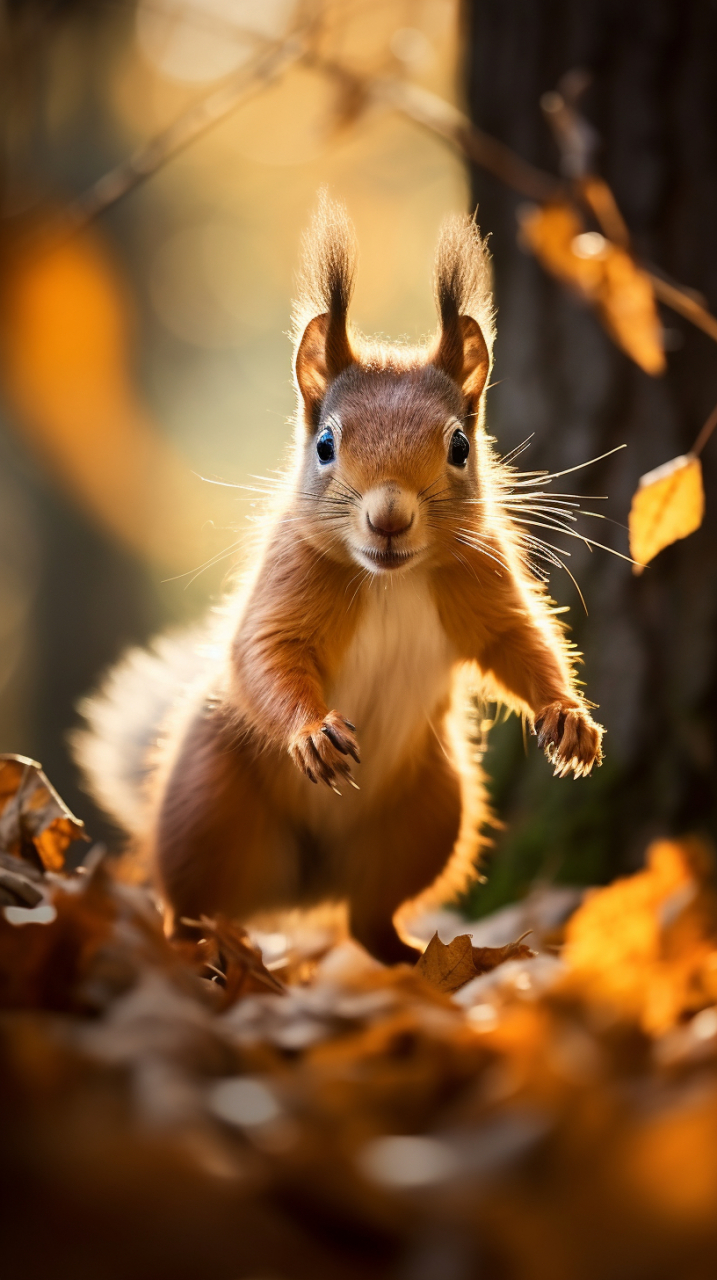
[148,354]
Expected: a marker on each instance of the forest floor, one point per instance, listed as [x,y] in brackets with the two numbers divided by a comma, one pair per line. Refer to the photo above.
[274,1107]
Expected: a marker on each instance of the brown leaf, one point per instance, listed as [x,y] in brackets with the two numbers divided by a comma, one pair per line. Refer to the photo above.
[227,952]
[447,966]
[44,965]
[33,818]
[604,274]
[487,958]
[450,966]
[669,504]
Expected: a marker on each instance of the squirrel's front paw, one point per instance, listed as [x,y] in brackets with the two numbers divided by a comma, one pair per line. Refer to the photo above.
[321,748]
[570,737]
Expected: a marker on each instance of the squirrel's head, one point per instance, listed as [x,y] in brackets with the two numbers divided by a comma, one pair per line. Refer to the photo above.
[390,438]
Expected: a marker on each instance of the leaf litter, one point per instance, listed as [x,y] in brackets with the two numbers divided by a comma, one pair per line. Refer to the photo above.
[183,1110]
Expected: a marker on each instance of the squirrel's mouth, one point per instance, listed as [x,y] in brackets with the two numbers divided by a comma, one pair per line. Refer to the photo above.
[387,558]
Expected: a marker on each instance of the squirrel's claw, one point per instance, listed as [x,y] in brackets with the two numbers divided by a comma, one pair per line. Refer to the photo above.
[320,750]
[570,738]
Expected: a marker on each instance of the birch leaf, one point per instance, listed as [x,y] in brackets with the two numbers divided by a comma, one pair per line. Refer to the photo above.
[669,504]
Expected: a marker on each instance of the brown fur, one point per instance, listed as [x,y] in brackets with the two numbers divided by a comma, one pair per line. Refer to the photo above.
[387,555]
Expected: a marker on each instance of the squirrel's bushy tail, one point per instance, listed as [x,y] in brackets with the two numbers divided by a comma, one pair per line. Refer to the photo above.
[119,745]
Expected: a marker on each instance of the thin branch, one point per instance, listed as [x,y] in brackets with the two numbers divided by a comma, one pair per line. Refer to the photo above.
[440,117]
[705,433]
[419,105]
[683,301]
[184,130]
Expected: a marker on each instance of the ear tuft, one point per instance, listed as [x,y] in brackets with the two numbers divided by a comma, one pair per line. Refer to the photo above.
[326,283]
[465,306]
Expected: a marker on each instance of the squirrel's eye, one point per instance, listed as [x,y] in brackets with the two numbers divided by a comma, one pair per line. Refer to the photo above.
[325,447]
[458,449]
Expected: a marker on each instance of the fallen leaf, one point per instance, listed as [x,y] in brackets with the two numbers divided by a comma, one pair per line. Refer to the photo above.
[226,953]
[604,274]
[669,504]
[487,958]
[646,944]
[447,966]
[33,818]
[20,886]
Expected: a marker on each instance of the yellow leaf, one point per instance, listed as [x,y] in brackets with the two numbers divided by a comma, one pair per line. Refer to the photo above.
[604,274]
[669,504]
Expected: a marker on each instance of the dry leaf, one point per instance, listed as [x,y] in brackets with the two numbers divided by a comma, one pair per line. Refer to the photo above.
[646,943]
[487,958]
[364,1113]
[229,954]
[450,966]
[669,504]
[604,274]
[32,815]
[447,966]
[626,304]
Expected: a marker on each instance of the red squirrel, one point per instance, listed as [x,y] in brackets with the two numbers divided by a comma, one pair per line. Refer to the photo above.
[323,755]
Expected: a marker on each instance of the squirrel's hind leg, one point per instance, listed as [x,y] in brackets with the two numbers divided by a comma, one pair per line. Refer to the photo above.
[402,851]
[219,844]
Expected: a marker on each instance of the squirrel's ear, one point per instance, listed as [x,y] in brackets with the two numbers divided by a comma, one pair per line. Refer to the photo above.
[326,283]
[323,353]
[463,354]
[462,287]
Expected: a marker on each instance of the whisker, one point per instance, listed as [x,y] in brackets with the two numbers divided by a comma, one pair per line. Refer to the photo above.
[516,452]
[208,564]
[554,475]
[468,541]
[581,537]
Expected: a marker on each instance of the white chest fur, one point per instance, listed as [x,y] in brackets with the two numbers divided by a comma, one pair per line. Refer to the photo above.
[394,675]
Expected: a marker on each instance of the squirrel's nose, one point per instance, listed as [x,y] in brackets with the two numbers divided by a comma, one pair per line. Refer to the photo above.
[389,523]
[390,510]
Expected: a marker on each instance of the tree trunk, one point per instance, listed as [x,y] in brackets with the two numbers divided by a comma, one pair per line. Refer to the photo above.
[649,641]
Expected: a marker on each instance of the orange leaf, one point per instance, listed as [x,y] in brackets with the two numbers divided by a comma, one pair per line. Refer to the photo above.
[669,504]
[33,815]
[627,308]
[604,274]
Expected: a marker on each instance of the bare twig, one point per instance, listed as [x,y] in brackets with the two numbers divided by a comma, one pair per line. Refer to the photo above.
[190,125]
[419,105]
[683,301]
[705,433]
[440,117]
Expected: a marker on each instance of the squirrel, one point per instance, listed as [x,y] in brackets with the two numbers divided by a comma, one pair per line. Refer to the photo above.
[323,752]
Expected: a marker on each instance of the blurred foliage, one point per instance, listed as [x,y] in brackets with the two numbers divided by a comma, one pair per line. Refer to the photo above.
[175,1109]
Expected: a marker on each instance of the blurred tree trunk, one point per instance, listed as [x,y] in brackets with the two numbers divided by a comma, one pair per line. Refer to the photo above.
[649,642]
[71,599]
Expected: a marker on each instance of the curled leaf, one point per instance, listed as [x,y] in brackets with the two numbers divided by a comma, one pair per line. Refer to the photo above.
[669,504]
[33,818]
[604,274]
[226,955]
[486,959]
